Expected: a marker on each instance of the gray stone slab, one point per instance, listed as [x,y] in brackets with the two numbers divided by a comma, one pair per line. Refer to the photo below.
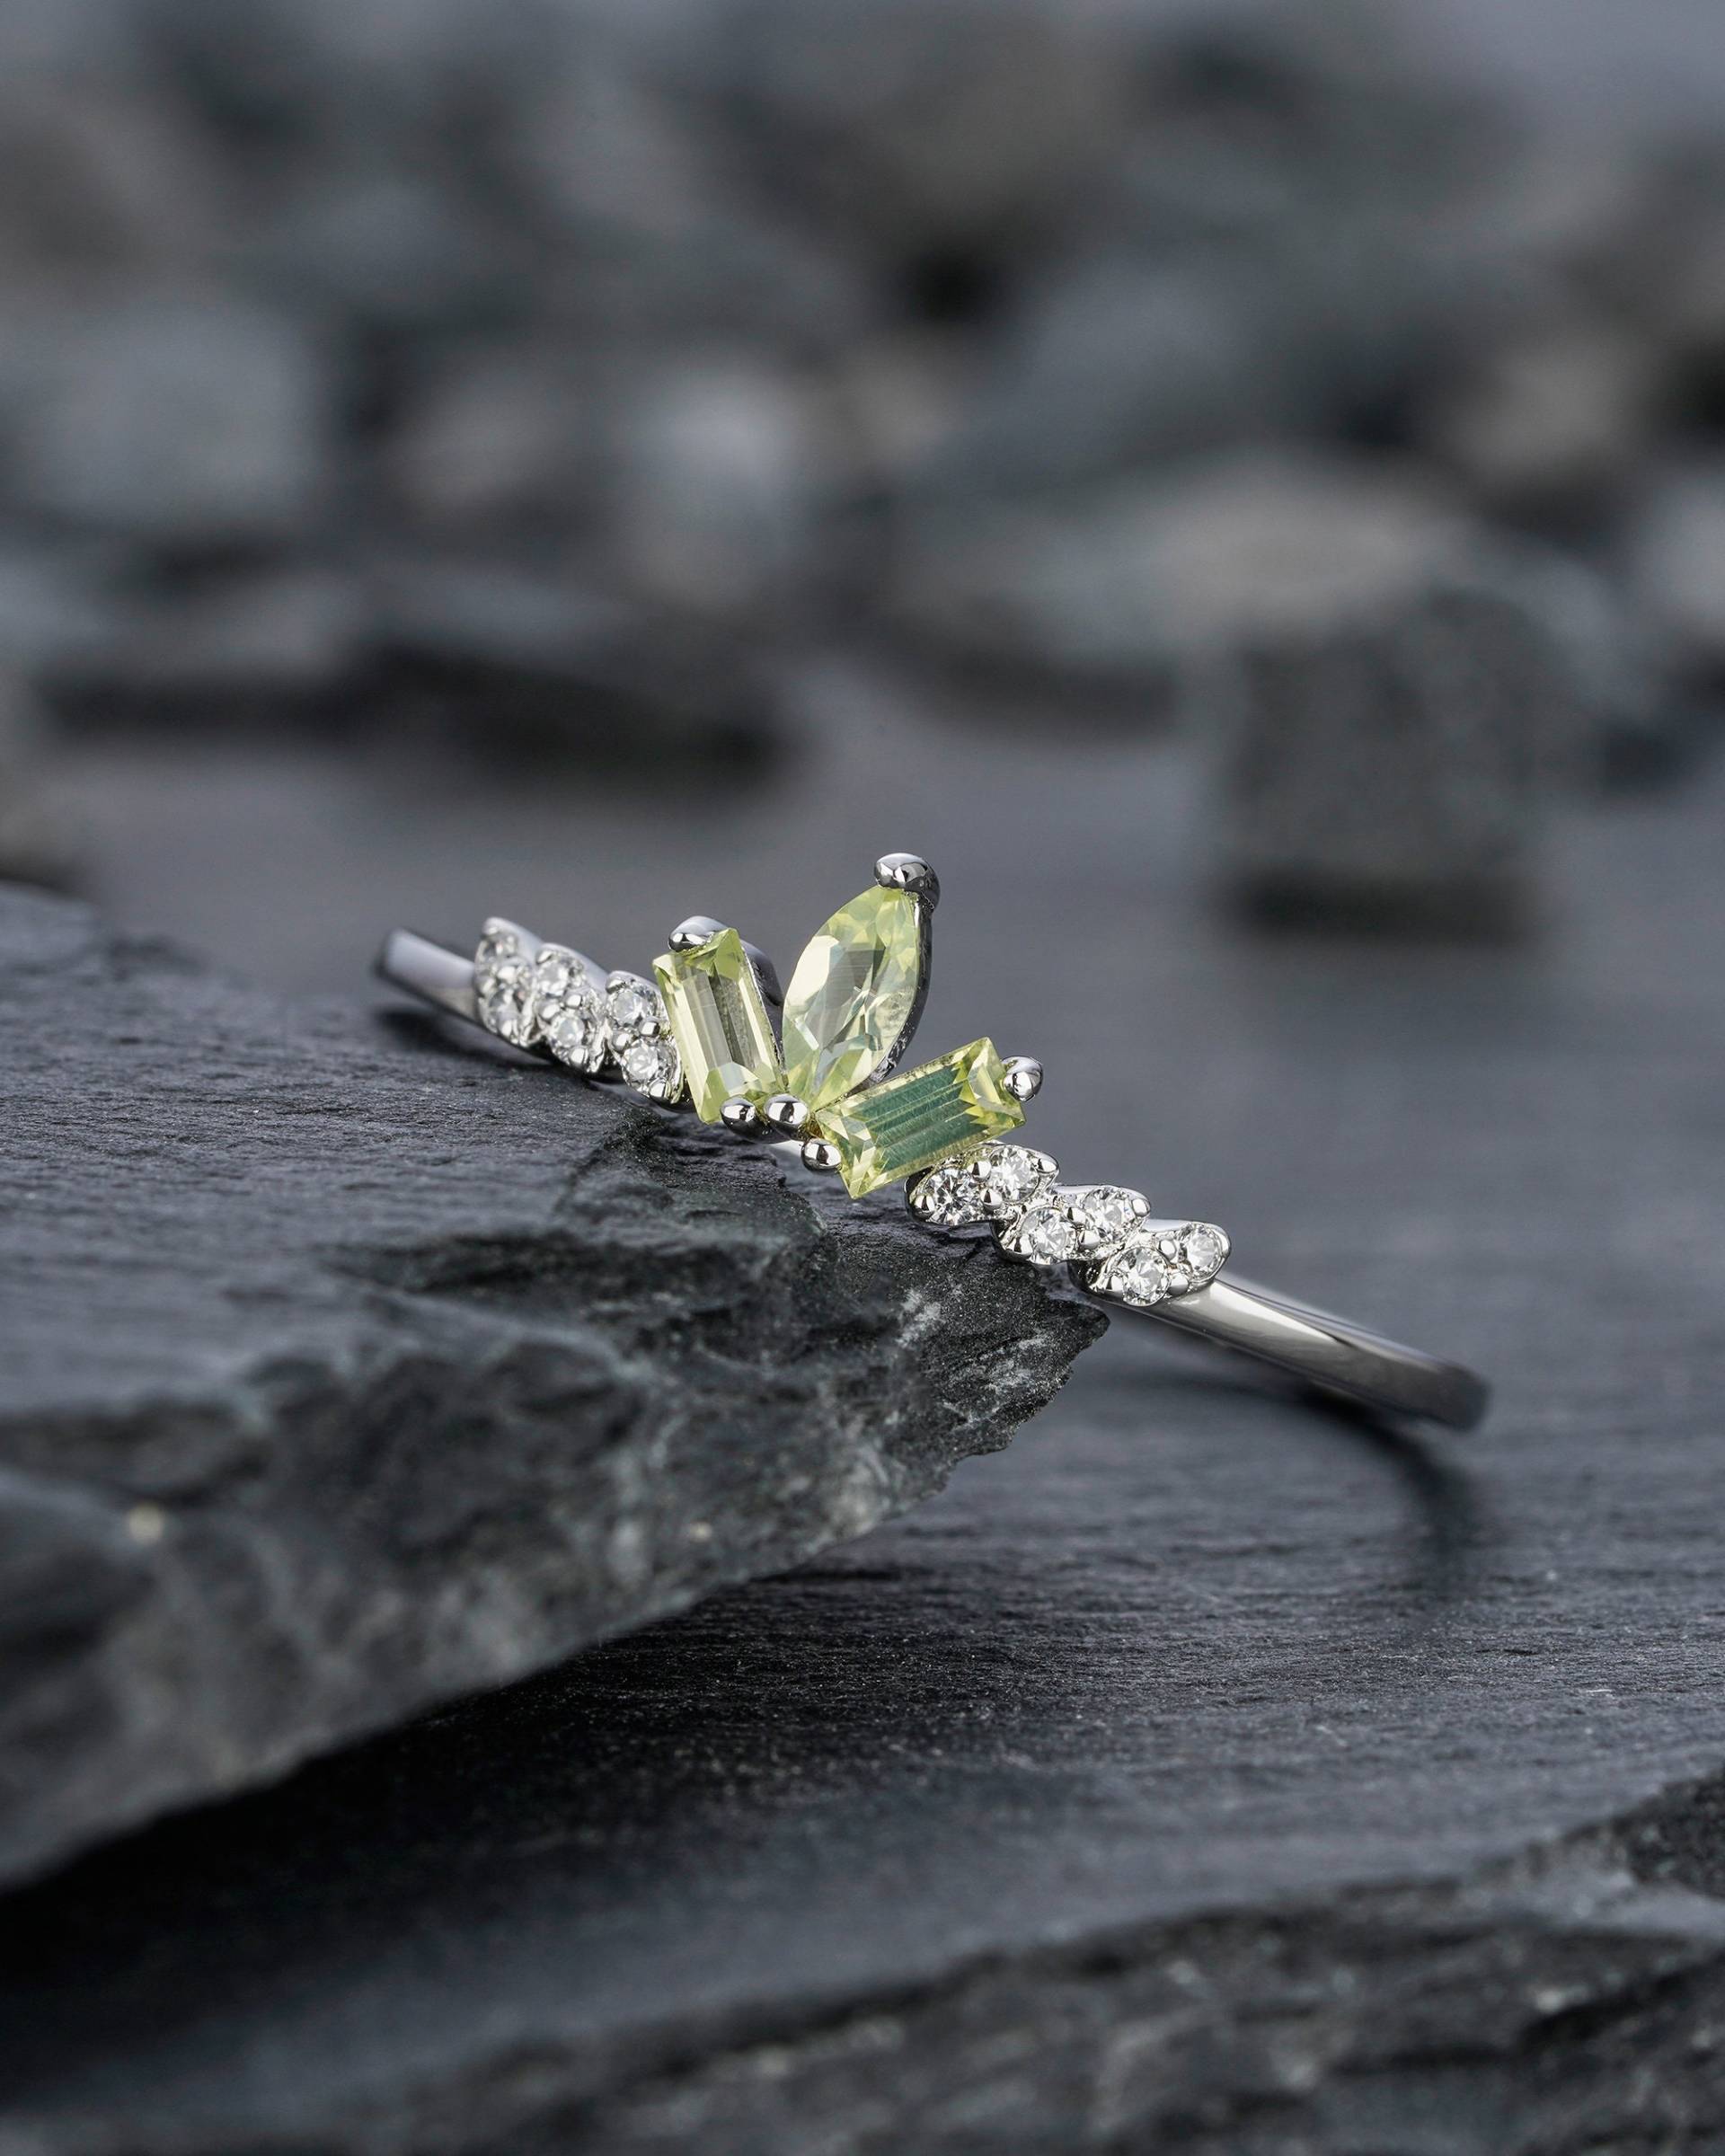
[347,1369]
[1202,1772]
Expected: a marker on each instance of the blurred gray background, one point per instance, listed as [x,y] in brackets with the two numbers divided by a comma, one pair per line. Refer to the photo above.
[594,459]
[1240,486]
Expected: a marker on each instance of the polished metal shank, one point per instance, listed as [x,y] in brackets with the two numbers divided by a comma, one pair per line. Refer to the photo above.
[1321,1350]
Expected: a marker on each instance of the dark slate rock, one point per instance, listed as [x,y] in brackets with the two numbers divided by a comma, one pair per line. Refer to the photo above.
[346,1371]
[1202,1773]
[1392,692]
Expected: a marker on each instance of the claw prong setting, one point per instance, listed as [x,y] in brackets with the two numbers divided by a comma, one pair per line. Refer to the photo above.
[908,873]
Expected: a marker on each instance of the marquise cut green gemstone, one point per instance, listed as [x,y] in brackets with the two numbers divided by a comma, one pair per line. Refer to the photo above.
[719,1021]
[889,1131]
[852,995]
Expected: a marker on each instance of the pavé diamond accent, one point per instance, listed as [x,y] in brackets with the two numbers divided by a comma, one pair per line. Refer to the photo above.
[1204,1249]
[1011,1175]
[636,1031]
[649,1066]
[633,1007]
[948,1197]
[568,1010]
[503,984]
[1162,1258]
[990,1185]
[1043,1232]
[1091,1221]
[1102,1215]
[1136,1276]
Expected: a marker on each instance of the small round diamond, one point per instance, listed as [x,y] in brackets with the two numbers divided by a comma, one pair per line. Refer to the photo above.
[1137,1276]
[575,1030]
[649,1066]
[503,987]
[634,1008]
[1043,1232]
[1011,1176]
[950,1196]
[1205,1249]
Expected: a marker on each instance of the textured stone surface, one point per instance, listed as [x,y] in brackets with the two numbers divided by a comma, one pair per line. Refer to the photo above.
[1201,1772]
[347,1370]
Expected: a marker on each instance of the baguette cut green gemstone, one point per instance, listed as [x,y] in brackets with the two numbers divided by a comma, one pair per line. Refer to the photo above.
[719,1021]
[852,995]
[889,1131]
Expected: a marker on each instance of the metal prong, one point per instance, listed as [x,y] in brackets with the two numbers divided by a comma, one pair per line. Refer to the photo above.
[765,973]
[787,1115]
[1024,1077]
[909,872]
[699,928]
[820,1156]
[744,1119]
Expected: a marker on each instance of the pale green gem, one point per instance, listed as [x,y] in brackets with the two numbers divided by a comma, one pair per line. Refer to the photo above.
[719,1021]
[889,1131]
[852,995]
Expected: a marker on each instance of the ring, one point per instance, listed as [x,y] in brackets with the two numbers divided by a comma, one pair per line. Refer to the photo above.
[827,1086]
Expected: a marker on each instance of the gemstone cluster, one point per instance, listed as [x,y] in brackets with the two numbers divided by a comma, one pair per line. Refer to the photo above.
[701,1030]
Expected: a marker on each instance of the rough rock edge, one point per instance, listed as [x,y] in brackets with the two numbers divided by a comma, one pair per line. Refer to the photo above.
[1571,1998]
[171,1633]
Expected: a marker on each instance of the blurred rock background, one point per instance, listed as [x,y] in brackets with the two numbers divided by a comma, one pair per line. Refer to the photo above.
[555,387]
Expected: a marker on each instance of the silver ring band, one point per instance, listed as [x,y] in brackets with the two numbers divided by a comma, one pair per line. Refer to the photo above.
[714,989]
[1329,1353]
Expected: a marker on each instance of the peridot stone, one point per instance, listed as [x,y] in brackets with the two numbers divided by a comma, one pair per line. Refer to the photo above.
[852,995]
[888,1131]
[719,1021]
